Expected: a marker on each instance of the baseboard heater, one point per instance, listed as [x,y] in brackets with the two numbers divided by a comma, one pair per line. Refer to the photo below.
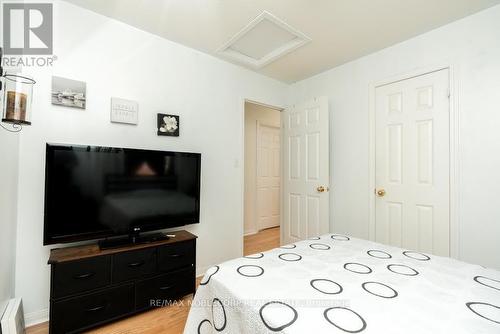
[12,321]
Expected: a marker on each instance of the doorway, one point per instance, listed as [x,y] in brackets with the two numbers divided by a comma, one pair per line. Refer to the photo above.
[262,191]
[287,173]
[412,163]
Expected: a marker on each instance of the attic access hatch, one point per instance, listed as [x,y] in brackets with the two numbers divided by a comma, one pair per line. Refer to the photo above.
[262,41]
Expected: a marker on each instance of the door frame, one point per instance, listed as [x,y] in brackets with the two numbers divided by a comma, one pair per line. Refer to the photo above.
[241,161]
[455,156]
[257,142]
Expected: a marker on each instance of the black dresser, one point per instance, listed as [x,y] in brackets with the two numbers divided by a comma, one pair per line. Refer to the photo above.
[90,287]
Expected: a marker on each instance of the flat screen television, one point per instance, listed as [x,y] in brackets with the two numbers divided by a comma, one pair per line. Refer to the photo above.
[96,192]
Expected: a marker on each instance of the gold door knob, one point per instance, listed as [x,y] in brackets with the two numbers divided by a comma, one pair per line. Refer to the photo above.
[381,193]
[322,189]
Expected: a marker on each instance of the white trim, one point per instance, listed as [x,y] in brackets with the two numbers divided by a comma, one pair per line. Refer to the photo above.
[264,105]
[371,158]
[248,233]
[242,176]
[37,317]
[455,160]
[300,40]
[255,197]
[455,163]
[282,166]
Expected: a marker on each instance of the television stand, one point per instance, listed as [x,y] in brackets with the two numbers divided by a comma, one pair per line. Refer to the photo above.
[90,286]
[133,239]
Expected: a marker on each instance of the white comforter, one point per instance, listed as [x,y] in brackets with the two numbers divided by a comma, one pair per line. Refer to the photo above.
[337,284]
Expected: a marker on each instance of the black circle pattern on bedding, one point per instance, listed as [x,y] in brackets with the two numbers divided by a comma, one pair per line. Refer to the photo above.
[331,319]
[284,307]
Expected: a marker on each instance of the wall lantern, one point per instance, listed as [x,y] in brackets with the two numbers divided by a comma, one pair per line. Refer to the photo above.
[16,94]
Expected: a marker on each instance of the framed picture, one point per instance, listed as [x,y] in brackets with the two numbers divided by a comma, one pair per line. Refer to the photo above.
[124,111]
[168,125]
[69,93]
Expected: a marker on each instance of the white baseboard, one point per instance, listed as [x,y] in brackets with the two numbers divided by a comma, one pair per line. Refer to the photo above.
[37,317]
[250,233]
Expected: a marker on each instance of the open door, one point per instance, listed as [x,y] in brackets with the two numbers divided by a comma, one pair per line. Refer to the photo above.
[306,172]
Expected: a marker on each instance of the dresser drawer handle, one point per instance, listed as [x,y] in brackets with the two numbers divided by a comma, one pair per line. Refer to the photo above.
[168,287]
[174,255]
[84,276]
[97,308]
[136,264]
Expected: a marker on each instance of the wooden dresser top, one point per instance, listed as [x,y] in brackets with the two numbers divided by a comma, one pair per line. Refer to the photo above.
[58,255]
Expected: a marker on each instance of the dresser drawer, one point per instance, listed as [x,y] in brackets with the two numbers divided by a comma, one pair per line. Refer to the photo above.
[78,313]
[176,256]
[130,265]
[157,291]
[79,276]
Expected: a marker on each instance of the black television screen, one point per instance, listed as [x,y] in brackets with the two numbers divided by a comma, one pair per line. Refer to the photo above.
[94,192]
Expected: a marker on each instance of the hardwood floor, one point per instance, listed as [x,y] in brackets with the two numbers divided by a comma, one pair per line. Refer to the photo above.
[262,241]
[171,319]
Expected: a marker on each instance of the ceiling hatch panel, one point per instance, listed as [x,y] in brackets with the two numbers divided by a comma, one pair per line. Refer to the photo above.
[262,41]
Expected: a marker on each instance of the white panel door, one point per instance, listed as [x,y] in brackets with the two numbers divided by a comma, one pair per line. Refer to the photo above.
[268,176]
[306,175]
[413,163]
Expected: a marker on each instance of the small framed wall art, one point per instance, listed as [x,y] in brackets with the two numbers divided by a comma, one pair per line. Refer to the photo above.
[69,93]
[168,125]
[124,111]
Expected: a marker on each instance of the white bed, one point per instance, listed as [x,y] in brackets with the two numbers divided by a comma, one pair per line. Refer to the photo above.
[338,284]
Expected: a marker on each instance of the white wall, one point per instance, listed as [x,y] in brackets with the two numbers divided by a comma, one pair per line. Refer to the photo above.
[9,147]
[472,46]
[268,116]
[118,60]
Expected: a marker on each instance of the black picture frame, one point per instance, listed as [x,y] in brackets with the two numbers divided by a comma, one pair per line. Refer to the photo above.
[165,128]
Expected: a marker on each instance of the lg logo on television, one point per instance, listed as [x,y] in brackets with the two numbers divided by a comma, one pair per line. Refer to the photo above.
[27,29]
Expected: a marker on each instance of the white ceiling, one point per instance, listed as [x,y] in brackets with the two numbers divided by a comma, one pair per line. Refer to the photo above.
[340,30]
[262,41]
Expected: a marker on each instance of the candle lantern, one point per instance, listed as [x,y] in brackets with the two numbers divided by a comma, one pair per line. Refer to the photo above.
[17,96]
